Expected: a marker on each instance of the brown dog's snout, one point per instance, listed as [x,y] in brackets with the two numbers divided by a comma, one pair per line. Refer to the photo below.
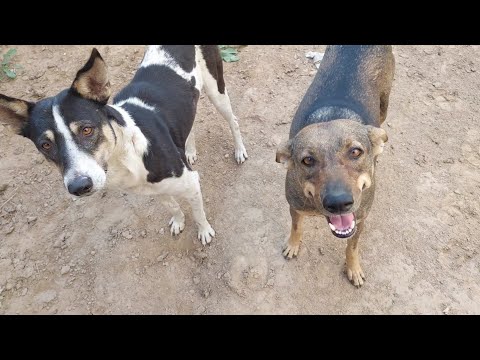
[337,199]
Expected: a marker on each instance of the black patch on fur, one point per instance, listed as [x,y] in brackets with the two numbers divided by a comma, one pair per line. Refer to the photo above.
[166,128]
[184,55]
[337,87]
[114,115]
[211,54]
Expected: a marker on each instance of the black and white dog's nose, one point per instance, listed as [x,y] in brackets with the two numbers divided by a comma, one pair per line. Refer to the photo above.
[80,185]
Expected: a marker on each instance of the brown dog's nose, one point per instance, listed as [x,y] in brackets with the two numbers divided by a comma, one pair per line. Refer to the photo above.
[338,203]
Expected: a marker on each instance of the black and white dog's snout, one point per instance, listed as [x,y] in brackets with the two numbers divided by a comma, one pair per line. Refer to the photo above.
[80,185]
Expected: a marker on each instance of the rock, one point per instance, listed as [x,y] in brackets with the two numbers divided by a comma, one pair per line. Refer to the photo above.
[320,250]
[162,257]
[206,293]
[65,270]
[200,310]
[24,291]
[457,192]
[31,219]
[196,280]
[46,296]
[127,235]
[143,233]
[162,231]
[3,187]
[446,311]
[93,252]
[315,56]
[10,229]
[226,156]
[270,282]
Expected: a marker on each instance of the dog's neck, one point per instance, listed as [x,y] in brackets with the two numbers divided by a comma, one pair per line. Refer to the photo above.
[329,113]
[129,148]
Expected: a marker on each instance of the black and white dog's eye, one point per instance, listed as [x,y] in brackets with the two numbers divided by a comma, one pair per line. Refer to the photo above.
[308,161]
[46,146]
[87,131]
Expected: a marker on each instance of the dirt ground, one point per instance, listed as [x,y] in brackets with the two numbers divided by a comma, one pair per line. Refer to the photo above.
[112,253]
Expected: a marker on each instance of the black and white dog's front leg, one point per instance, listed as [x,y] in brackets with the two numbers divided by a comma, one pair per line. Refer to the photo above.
[177,222]
[186,186]
[195,198]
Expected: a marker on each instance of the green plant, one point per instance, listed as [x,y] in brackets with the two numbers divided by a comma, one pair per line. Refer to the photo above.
[7,67]
[228,53]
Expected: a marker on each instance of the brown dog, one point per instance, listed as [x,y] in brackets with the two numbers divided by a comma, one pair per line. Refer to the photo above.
[335,139]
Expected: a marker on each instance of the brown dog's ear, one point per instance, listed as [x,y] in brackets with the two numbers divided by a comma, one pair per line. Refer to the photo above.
[14,113]
[92,80]
[284,153]
[378,138]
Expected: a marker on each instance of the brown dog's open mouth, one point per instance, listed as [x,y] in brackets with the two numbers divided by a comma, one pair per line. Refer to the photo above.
[342,226]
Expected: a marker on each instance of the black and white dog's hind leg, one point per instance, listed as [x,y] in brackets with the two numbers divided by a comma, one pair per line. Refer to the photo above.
[209,62]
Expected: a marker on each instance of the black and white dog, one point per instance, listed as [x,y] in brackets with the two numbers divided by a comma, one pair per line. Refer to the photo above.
[144,140]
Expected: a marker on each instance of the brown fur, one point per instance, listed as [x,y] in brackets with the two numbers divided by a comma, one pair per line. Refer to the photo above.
[331,141]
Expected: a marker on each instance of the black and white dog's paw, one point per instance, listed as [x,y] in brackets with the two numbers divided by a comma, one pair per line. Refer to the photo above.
[191,157]
[206,234]
[241,154]
[176,225]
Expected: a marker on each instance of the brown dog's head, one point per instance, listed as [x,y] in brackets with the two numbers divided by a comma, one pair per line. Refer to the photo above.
[333,163]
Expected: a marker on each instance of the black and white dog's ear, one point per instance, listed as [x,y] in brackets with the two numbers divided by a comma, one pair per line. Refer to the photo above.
[92,80]
[14,113]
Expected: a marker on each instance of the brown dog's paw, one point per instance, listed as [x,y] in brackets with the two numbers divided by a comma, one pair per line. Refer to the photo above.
[355,275]
[291,251]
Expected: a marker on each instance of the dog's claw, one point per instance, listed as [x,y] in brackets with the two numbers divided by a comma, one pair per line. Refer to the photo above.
[241,154]
[291,251]
[355,275]
[206,234]
[191,157]
[176,226]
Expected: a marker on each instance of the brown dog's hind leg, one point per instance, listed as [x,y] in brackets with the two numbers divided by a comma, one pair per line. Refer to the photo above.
[354,271]
[296,233]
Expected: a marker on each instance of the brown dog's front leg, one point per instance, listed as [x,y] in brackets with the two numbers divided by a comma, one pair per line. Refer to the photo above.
[296,233]
[354,271]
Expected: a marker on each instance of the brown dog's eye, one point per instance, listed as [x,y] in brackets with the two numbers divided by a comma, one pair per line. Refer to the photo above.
[87,131]
[355,153]
[46,146]
[308,161]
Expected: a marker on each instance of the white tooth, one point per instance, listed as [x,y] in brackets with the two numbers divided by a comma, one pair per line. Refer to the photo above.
[331,226]
[353,224]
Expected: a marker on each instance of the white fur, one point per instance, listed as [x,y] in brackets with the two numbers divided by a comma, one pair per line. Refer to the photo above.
[190,148]
[156,55]
[125,167]
[81,164]
[135,101]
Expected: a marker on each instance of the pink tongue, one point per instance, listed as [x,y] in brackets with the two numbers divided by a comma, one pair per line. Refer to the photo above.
[342,222]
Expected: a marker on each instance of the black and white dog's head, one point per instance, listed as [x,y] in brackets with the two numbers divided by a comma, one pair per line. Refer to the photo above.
[72,129]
